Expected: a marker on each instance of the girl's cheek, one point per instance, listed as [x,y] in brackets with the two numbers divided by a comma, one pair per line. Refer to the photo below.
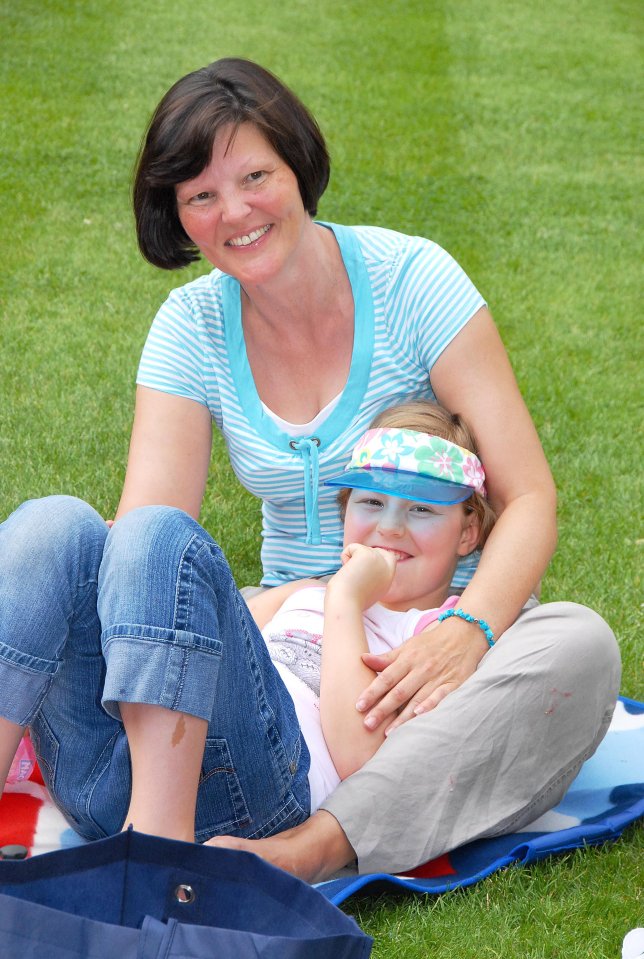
[355,530]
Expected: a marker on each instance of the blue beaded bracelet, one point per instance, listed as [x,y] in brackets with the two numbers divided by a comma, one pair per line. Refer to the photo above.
[487,632]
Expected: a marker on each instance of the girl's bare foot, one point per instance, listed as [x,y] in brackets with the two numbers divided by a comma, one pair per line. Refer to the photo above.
[312,851]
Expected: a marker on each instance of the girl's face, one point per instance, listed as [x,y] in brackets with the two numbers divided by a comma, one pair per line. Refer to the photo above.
[244,211]
[427,540]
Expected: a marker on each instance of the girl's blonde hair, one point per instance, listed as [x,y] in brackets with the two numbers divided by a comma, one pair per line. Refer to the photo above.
[427,417]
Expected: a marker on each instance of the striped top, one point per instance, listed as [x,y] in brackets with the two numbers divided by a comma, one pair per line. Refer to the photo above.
[411,298]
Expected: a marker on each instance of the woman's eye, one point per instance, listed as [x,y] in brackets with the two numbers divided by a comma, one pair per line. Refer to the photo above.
[255,176]
[200,197]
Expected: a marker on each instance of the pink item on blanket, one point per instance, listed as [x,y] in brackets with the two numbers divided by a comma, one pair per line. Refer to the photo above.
[23,762]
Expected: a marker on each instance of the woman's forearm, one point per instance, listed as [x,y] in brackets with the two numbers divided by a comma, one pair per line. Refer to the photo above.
[514,560]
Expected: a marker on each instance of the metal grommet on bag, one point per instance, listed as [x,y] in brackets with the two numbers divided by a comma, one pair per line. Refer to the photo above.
[184,894]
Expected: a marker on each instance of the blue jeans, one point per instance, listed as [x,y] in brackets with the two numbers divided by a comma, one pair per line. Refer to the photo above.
[147,612]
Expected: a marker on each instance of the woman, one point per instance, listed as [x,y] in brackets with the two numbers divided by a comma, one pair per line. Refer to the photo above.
[301,334]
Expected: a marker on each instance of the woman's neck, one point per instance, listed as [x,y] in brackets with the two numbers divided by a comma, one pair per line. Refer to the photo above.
[299,328]
[313,285]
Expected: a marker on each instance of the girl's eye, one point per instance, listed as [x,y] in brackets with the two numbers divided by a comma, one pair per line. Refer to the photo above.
[422,510]
[370,501]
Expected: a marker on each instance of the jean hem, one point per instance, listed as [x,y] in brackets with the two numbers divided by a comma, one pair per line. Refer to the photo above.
[178,672]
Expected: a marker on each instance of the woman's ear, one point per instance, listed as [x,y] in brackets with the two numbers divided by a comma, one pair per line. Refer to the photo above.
[469,535]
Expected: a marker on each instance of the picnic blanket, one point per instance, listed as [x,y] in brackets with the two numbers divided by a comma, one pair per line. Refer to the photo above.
[606,796]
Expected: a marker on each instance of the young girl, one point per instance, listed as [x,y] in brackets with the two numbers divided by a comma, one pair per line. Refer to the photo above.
[166,710]
[413,502]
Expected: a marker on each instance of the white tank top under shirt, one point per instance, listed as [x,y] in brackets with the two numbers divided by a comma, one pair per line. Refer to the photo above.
[303,429]
[294,640]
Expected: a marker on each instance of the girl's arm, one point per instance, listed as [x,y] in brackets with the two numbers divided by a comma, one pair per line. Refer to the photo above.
[364,577]
[264,606]
[169,453]
[473,377]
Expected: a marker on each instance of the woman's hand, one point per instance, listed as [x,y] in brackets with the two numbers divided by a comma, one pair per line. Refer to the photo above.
[416,676]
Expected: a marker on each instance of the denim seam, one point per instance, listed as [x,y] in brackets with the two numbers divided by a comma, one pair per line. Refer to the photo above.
[96,779]
[14,657]
[183,668]
[140,633]
[278,750]
[185,585]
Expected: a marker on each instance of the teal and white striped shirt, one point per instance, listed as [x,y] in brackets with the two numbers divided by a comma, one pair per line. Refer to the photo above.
[411,298]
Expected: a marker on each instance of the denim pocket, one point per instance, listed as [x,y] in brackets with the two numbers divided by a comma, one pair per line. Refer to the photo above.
[221,806]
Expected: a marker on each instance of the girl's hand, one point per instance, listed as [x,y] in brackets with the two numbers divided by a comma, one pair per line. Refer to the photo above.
[366,574]
[416,676]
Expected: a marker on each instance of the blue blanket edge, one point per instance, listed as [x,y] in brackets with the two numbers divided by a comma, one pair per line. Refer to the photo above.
[527,851]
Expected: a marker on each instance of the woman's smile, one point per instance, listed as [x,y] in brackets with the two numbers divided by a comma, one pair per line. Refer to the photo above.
[249,238]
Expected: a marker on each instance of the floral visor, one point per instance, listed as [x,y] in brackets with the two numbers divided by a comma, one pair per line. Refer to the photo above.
[412,465]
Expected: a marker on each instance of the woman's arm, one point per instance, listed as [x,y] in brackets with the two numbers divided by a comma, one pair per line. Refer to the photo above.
[473,377]
[169,453]
[364,577]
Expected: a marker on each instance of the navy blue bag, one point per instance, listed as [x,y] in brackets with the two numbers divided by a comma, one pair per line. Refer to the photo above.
[139,897]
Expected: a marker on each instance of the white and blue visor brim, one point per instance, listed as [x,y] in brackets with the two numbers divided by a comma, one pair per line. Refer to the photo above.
[412,486]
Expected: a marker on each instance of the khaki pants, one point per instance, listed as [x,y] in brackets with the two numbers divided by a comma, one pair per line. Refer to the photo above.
[496,753]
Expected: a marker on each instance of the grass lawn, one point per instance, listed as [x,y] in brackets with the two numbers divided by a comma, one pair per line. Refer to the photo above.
[505,131]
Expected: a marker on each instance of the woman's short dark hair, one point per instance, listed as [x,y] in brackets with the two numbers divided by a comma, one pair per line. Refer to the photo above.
[179,140]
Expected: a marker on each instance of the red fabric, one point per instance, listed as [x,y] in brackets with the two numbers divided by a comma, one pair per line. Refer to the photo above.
[433,869]
[18,819]
[36,775]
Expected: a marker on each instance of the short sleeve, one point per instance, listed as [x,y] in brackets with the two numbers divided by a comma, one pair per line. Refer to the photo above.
[432,297]
[173,356]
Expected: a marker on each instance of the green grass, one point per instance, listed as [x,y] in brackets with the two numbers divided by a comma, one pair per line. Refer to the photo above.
[506,132]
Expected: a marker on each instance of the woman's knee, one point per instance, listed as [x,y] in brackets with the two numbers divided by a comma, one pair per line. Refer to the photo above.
[155,556]
[583,630]
[150,531]
[568,640]
[50,533]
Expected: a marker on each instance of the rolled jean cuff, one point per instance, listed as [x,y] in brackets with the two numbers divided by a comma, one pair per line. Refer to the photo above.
[24,680]
[160,666]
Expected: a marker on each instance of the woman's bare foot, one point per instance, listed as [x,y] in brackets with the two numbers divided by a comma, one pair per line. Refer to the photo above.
[312,851]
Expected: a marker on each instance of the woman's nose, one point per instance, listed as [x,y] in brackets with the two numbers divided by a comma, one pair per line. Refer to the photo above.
[234,207]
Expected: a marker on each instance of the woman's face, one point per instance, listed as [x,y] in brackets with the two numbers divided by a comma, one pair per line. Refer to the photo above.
[244,211]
